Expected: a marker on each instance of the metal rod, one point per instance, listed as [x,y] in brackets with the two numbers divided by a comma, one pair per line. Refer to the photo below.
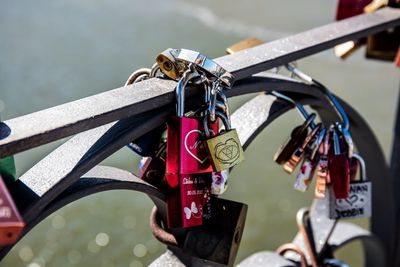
[299,106]
[330,97]
[61,121]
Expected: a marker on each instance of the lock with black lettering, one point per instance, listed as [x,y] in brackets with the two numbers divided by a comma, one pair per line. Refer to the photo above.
[358,203]
[224,149]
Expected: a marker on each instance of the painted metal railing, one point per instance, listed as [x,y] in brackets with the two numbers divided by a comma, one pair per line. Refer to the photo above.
[104,123]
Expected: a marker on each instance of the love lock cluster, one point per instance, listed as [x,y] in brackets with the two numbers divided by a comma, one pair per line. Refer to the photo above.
[328,152]
[192,161]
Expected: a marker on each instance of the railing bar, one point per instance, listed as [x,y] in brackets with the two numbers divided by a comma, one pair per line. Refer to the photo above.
[48,125]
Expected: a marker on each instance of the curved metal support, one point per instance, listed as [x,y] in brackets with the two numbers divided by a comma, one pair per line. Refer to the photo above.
[346,233]
[95,145]
[98,179]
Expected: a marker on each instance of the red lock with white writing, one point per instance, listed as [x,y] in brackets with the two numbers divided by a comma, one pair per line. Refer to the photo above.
[185,150]
[188,168]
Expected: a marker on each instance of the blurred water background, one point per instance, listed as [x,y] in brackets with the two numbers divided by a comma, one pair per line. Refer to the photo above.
[52,52]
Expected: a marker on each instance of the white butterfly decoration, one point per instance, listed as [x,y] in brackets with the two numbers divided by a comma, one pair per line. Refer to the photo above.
[190,211]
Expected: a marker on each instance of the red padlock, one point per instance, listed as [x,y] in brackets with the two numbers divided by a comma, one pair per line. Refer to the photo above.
[185,151]
[188,168]
[350,8]
[339,169]
[11,223]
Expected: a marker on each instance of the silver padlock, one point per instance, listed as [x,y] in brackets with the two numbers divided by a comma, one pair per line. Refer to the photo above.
[358,204]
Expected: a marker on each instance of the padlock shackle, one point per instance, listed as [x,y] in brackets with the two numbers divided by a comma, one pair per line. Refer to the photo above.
[318,142]
[213,91]
[330,97]
[180,90]
[220,115]
[336,144]
[363,167]
[137,75]
[299,106]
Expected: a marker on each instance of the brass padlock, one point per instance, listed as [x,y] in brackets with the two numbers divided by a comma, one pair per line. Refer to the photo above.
[224,149]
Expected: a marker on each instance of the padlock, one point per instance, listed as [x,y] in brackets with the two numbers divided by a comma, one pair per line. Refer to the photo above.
[339,169]
[295,139]
[358,203]
[224,149]
[219,182]
[384,45]
[322,168]
[147,145]
[174,62]
[11,223]
[298,154]
[219,237]
[375,5]
[152,169]
[188,169]
[350,8]
[185,151]
[309,165]
[194,194]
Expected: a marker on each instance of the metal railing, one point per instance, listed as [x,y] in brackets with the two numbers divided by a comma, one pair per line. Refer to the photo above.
[108,121]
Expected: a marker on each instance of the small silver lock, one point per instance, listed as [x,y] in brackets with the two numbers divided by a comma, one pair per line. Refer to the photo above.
[358,204]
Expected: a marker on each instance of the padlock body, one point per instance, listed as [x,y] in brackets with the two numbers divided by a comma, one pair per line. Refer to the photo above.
[219,182]
[194,192]
[147,144]
[322,178]
[185,205]
[225,150]
[219,237]
[297,136]
[357,205]
[186,153]
[350,8]
[11,223]
[383,45]
[339,172]
[152,171]
[304,177]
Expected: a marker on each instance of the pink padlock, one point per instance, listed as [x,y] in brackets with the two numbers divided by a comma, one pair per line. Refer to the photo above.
[188,168]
